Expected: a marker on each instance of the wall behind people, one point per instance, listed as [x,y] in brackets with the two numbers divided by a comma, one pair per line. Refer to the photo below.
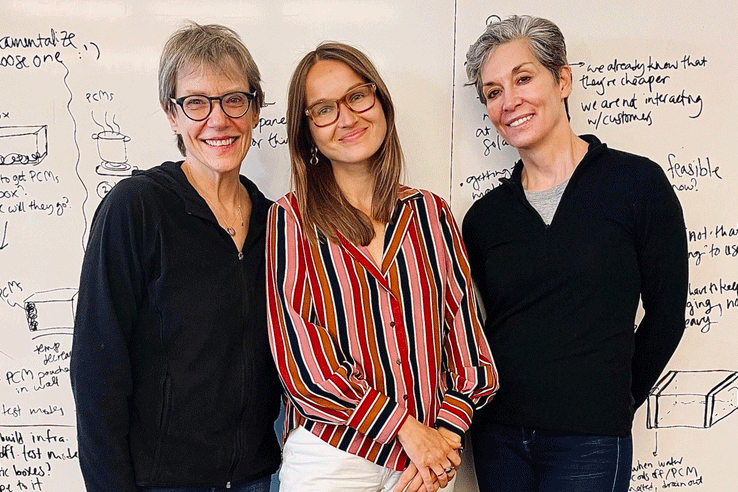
[79,111]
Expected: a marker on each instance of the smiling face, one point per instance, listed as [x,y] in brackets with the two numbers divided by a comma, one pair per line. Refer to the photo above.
[354,137]
[219,143]
[524,102]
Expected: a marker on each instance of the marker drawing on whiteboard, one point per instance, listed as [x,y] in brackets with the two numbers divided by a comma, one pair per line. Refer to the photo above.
[111,148]
[687,174]
[51,309]
[23,145]
[4,240]
[636,92]
[694,399]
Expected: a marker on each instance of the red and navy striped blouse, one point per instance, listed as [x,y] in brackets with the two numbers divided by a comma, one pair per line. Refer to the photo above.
[361,346]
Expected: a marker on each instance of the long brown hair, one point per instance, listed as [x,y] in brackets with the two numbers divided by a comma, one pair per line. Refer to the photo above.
[321,201]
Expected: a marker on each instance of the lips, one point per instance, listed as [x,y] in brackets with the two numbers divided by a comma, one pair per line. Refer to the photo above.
[353,135]
[220,142]
[520,121]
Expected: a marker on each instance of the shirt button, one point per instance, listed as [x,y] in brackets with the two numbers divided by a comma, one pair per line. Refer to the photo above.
[404,397]
[392,324]
[399,362]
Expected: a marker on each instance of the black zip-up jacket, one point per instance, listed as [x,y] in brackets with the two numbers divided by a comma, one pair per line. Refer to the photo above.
[561,299]
[171,369]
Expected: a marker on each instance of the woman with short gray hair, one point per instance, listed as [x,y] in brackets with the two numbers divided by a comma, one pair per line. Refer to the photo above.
[561,253]
[175,387]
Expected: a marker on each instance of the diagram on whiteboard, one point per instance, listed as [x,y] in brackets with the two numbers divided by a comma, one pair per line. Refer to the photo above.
[51,309]
[23,144]
[111,147]
[695,399]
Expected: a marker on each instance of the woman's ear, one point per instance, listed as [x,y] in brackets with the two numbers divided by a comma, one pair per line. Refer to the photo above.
[172,119]
[565,81]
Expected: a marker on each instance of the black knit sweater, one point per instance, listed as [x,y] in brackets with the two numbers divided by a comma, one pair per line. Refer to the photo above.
[561,300]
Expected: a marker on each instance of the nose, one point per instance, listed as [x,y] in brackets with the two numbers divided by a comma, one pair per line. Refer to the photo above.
[217,116]
[511,99]
[346,117]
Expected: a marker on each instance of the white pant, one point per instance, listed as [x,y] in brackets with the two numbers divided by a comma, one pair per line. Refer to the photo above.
[310,464]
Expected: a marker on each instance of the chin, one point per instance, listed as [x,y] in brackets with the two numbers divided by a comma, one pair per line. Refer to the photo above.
[522,141]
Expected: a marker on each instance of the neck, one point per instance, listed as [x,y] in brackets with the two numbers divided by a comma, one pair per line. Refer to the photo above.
[553,162]
[356,183]
[226,198]
[221,188]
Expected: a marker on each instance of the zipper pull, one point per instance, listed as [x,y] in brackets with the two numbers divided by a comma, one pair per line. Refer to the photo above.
[228,484]
[240,255]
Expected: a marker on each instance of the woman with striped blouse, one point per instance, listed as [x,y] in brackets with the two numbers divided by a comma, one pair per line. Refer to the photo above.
[373,320]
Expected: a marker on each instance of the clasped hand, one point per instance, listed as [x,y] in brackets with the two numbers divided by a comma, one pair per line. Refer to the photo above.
[433,455]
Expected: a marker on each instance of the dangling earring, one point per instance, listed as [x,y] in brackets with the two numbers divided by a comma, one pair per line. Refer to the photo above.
[314,156]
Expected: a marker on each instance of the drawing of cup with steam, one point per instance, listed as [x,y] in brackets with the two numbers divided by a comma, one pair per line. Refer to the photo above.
[111,147]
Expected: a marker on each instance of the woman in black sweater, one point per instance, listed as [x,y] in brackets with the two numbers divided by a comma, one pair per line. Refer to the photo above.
[561,253]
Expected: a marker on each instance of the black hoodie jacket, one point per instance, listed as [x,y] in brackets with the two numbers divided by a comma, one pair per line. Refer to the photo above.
[171,370]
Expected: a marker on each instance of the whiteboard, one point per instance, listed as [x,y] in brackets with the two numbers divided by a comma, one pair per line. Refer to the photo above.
[79,111]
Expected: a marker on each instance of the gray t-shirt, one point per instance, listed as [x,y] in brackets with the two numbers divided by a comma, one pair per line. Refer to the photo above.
[545,202]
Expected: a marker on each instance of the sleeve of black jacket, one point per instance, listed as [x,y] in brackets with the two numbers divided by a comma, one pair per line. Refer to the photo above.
[111,287]
[662,256]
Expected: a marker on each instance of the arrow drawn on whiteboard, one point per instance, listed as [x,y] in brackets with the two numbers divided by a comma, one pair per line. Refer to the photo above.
[656,444]
[4,243]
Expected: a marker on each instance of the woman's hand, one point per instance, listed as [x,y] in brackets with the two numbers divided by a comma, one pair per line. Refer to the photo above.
[432,454]
[453,439]
[411,481]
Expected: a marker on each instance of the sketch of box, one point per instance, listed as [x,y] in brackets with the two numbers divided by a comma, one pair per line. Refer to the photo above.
[23,144]
[50,309]
[697,399]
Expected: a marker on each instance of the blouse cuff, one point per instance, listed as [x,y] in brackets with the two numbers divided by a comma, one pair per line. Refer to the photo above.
[378,417]
[456,413]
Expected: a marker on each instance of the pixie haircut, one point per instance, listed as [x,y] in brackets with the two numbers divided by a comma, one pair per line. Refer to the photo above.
[544,38]
[212,46]
[322,204]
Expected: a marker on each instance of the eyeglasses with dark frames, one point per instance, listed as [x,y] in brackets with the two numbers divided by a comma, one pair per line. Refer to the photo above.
[198,107]
[359,99]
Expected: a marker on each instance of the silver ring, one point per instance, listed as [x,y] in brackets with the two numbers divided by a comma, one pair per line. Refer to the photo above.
[448,470]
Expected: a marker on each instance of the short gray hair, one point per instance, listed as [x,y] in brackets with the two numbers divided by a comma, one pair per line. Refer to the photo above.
[210,45]
[544,38]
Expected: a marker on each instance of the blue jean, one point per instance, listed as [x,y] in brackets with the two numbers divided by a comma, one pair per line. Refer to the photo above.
[517,459]
[259,485]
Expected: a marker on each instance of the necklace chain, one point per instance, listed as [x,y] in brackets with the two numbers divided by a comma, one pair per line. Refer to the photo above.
[229,228]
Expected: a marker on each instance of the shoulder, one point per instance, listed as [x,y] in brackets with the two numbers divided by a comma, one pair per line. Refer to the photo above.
[131,193]
[143,197]
[433,214]
[619,162]
[148,182]
[259,202]
[288,202]
[632,172]
[493,202]
[287,208]
[423,198]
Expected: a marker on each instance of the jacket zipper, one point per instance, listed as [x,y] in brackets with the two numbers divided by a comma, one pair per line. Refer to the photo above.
[237,439]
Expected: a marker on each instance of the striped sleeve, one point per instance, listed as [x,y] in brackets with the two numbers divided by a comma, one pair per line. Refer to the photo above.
[323,383]
[471,376]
